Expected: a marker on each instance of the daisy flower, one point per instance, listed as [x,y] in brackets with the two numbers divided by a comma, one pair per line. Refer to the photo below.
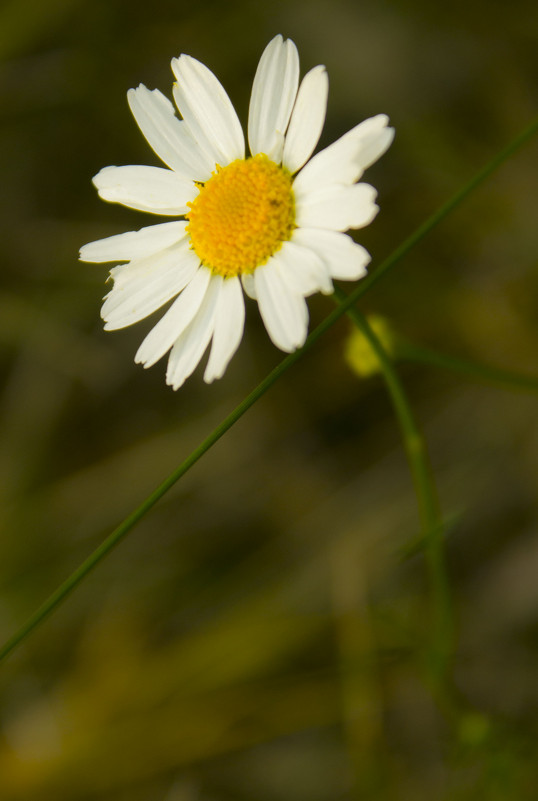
[270,224]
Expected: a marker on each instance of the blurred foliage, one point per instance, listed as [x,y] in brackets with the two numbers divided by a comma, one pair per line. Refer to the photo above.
[260,636]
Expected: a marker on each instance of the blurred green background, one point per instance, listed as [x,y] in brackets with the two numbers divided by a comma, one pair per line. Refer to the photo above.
[260,636]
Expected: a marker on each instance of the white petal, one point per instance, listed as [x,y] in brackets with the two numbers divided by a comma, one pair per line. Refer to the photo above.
[345,259]
[229,324]
[207,110]
[375,139]
[337,207]
[273,94]
[168,136]
[247,279]
[284,313]
[183,310]
[345,160]
[143,286]
[303,271]
[191,344]
[152,189]
[307,119]
[334,165]
[134,244]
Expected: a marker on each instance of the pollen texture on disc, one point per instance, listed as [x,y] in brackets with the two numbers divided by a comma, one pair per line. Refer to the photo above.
[242,215]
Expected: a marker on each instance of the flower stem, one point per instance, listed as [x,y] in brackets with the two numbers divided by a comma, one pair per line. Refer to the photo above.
[441,646]
[482,372]
[61,593]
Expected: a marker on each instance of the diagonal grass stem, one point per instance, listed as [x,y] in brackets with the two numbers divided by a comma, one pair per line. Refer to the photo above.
[62,592]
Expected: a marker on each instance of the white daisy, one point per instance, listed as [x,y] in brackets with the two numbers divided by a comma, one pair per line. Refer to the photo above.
[270,223]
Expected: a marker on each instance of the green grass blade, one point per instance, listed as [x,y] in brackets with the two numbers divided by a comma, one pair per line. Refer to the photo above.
[63,591]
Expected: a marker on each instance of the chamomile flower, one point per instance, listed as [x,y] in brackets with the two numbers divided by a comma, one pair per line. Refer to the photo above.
[270,224]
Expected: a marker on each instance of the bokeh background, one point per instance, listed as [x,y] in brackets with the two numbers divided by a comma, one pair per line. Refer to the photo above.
[261,635]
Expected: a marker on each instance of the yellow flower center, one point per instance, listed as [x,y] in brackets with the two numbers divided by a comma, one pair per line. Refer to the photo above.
[242,215]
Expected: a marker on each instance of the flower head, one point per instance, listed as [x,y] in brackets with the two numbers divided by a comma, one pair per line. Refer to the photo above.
[270,224]
[359,354]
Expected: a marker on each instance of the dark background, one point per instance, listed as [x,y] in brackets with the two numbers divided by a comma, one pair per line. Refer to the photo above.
[260,636]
